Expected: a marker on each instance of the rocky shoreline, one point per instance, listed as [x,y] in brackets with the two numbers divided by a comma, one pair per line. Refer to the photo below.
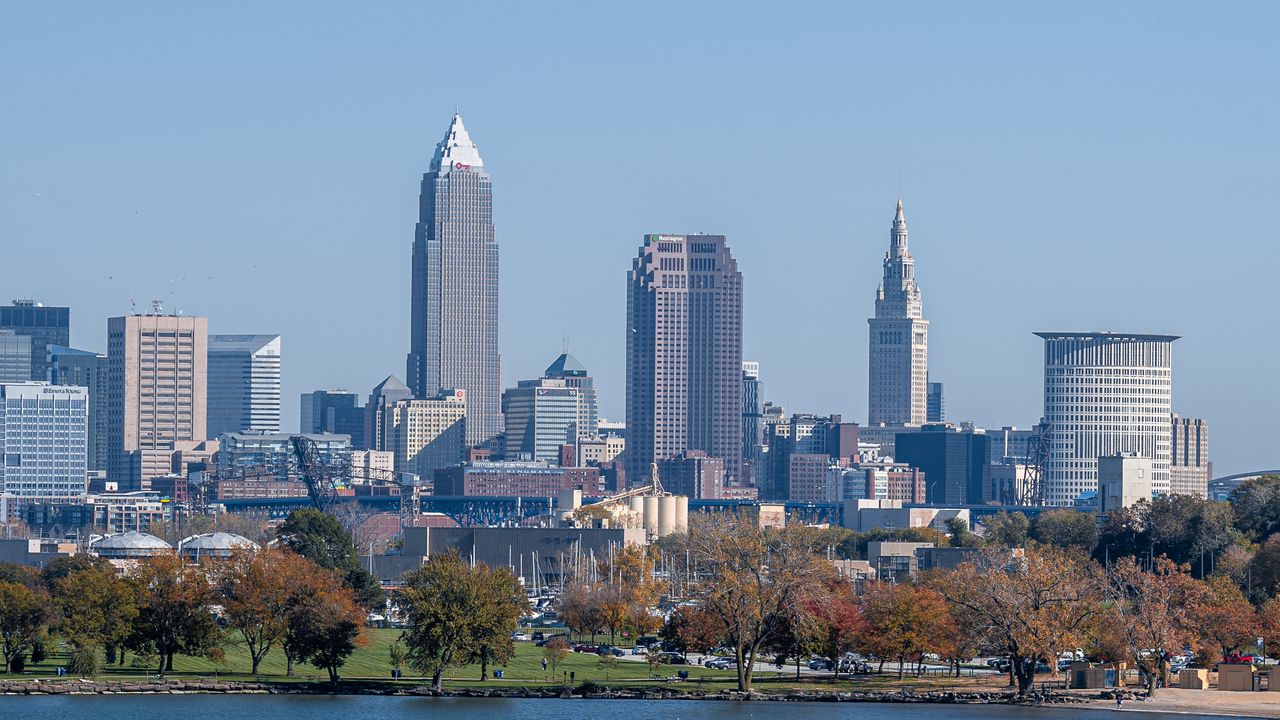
[590,692]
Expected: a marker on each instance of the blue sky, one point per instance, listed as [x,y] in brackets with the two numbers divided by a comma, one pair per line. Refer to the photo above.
[1064,167]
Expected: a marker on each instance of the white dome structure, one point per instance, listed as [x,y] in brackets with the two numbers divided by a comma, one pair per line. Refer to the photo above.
[129,545]
[213,545]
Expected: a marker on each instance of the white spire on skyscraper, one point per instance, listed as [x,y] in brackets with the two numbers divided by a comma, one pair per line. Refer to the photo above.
[456,151]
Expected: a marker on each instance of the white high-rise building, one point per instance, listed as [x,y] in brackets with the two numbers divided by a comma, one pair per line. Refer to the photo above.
[44,436]
[898,367]
[1104,394]
[244,384]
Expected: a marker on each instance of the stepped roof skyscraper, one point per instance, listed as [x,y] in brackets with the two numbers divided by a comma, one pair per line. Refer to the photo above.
[684,353]
[454,332]
[898,366]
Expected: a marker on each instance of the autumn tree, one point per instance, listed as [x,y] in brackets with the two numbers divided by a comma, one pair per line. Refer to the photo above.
[1269,626]
[752,579]
[1150,609]
[837,621]
[328,625]
[580,608]
[554,651]
[1029,605]
[259,590]
[94,609]
[23,614]
[174,616]
[903,621]
[690,627]
[1227,620]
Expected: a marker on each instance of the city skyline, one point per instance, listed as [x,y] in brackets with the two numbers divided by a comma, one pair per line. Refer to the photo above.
[1049,235]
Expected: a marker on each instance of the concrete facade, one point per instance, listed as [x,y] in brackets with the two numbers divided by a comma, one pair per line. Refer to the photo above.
[899,340]
[157,391]
[684,352]
[1124,481]
[1104,394]
[1189,466]
[428,434]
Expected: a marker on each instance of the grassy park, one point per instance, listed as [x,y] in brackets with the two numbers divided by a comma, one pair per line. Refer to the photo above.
[372,661]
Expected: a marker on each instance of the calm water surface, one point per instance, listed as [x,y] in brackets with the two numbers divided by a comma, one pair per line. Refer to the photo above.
[323,707]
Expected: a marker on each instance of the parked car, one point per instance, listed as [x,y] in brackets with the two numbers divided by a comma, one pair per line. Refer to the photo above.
[646,640]
[1238,659]
[670,658]
[584,648]
[539,636]
[820,663]
[610,650]
[723,663]
[520,636]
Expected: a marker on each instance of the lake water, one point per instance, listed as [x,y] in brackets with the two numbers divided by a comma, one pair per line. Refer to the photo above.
[365,707]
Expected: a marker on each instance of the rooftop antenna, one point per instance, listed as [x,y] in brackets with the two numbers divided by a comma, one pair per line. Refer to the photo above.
[157,307]
[133,306]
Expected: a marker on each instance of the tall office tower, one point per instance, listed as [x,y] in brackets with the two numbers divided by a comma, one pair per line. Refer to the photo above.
[540,416]
[43,440]
[44,325]
[82,368]
[935,406]
[427,434]
[1104,394]
[157,390]
[384,394]
[454,332]
[567,368]
[1190,469]
[15,357]
[333,411]
[244,384]
[899,346]
[684,353]
[752,422]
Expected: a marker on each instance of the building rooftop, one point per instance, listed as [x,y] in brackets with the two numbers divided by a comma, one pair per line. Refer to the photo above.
[566,364]
[129,542]
[214,543]
[1140,337]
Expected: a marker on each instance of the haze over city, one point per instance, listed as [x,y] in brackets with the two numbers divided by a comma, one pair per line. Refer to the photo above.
[1082,170]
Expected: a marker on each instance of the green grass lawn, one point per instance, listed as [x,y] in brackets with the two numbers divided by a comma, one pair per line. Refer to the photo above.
[373,661]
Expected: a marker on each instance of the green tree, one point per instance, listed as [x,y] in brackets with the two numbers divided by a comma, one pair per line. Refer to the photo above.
[95,609]
[1066,528]
[958,529]
[23,615]
[500,604]
[453,613]
[174,615]
[1009,530]
[1256,506]
[398,655]
[320,538]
